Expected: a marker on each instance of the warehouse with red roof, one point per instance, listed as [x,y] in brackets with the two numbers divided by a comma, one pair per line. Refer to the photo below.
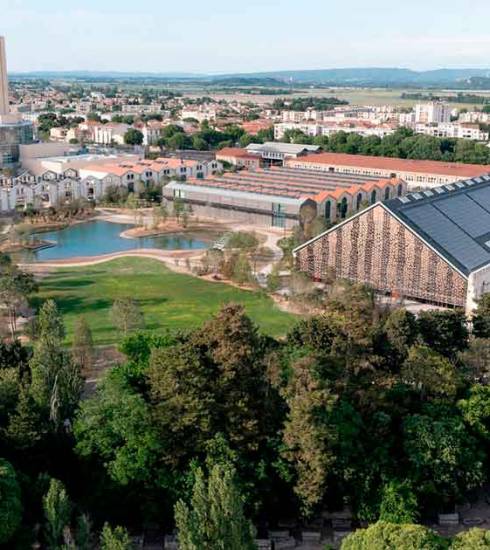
[282,196]
[417,173]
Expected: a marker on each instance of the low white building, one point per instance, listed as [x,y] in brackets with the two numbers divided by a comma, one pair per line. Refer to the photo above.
[327,129]
[107,134]
[453,130]
[200,114]
[475,117]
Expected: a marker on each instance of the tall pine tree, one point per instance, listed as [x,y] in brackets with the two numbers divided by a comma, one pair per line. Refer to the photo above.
[56,380]
[214,520]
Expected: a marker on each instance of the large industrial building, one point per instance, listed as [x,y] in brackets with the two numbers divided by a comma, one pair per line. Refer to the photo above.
[282,197]
[432,246]
[417,173]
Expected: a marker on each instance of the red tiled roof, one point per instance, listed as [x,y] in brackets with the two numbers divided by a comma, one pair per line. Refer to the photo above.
[396,164]
[381,184]
[235,152]
[254,126]
[301,184]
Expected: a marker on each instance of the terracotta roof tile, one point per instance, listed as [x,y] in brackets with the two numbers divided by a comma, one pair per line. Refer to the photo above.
[396,165]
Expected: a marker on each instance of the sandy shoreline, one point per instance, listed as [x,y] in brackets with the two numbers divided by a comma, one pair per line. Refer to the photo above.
[164,256]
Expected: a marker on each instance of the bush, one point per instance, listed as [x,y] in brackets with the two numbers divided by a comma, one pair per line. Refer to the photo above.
[242,239]
[391,536]
[474,539]
[398,503]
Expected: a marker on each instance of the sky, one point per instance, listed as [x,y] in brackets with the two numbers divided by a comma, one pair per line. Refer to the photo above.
[227,36]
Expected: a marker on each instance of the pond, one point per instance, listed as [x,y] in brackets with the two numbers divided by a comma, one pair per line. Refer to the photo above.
[101,237]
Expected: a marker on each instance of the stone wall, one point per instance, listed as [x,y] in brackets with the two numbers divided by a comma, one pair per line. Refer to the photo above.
[375,248]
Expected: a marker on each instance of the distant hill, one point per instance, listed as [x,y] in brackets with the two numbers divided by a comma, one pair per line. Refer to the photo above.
[373,77]
[378,77]
[97,75]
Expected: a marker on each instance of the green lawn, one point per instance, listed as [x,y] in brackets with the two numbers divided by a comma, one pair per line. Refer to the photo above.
[169,300]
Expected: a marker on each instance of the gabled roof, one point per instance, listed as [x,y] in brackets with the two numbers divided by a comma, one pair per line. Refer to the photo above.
[453,220]
[354,189]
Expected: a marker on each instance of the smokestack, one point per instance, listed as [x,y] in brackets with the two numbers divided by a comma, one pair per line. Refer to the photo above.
[4,86]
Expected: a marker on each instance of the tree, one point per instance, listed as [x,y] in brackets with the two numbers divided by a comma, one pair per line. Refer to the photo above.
[388,536]
[444,331]
[126,315]
[242,270]
[401,332]
[215,519]
[178,207]
[214,382]
[314,332]
[56,380]
[83,534]
[309,435]
[476,410]
[116,538]
[430,374]
[475,360]
[474,539]
[445,460]
[25,425]
[243,240]
[274,279]
[398,503]
[83,345]
[177,142]
[57,511]
[15,287]
[133,137]
[10,502]
[481,318]
[115,425]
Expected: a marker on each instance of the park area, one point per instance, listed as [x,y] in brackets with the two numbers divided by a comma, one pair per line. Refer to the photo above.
[168,300]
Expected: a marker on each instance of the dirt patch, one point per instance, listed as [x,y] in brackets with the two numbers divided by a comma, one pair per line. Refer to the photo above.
[172,226]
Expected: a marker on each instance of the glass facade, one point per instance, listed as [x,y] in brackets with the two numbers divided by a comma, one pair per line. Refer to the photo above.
[11,136]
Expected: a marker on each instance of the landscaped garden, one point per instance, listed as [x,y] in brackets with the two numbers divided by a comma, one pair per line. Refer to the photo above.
[168,300]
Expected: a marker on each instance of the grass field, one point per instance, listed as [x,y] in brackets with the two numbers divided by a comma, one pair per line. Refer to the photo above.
[355,96]
[168,300]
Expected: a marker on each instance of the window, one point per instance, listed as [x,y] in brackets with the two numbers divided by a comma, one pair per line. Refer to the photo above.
[328,210]
[278,215]
[342,207]
[400,190]
[387,193]
[359,201]
[373,196]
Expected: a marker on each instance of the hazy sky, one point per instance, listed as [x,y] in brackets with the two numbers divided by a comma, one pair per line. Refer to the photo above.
[244,35]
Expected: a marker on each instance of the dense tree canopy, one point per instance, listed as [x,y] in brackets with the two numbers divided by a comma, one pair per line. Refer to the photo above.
[10,502]
[273,428]
[403,143]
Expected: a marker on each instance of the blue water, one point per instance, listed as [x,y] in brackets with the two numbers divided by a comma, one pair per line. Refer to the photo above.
[101,237]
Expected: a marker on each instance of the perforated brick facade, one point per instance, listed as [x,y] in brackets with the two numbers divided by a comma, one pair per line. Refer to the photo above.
[375,248]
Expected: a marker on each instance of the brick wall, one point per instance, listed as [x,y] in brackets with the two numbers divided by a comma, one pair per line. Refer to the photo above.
[375,248]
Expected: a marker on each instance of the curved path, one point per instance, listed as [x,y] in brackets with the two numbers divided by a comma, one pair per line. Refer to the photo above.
[165,256]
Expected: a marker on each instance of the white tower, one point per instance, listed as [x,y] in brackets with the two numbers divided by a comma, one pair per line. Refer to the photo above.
[4,86]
